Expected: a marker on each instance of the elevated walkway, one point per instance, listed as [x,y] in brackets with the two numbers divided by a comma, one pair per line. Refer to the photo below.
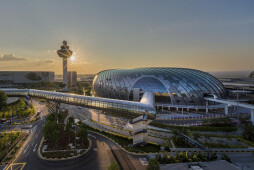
[228,103]
[145,106]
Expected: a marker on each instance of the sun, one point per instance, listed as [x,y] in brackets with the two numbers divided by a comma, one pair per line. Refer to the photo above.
[72,58]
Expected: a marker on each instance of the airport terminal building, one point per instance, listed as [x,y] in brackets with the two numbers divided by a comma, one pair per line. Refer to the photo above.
[236,80]
[173,88]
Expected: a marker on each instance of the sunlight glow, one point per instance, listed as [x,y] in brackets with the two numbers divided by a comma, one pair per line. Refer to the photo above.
[72,58]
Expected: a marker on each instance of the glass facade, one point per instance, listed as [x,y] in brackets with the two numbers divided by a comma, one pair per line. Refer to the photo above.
[92,102]
[177,86]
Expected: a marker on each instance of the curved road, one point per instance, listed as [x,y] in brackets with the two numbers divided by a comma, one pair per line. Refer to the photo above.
[101,154]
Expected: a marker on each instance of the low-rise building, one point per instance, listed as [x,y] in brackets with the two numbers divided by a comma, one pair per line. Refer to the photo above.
[15,78]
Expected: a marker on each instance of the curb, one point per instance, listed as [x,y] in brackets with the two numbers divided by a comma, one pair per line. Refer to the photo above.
[133,153]
[146,153]
[61,159]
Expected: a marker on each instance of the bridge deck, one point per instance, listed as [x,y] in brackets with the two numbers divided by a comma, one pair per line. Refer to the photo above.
[93,102]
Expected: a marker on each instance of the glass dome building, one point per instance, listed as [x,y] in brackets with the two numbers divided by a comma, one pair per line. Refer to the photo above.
[172,86]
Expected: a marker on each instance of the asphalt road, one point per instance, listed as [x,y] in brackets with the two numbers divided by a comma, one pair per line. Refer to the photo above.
[82,113]
[102,153]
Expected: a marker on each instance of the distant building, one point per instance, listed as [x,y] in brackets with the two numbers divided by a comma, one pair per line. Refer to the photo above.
[72,78]
[234,76]
[15,78]
[87,78]
[236,80]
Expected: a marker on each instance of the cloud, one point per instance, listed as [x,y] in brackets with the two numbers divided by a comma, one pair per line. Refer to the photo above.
[43,63]
[11,57]
[48,61]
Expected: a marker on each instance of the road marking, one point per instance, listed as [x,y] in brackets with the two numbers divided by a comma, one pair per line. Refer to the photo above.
[35,147]
[19,166]
[25,149]
[5,166]
[91,136]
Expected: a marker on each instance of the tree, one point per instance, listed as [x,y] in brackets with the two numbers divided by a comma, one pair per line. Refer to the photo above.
[214,157]
[51,131]
[153,165]
[71,120]
[80,90]
[62,85]
[225,157]
[51,117]
[248,133]
[114,166]
[54,136]
[68,130]
[82,133]
[167,144]
[3,99]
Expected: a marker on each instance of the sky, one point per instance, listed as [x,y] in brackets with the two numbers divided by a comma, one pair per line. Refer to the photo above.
[215,35]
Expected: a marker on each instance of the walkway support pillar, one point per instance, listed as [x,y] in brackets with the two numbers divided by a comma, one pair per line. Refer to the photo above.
[99,113]
[206,109]
[226,109]
[252,116]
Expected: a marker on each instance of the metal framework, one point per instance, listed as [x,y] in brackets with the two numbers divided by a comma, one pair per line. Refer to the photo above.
[88,101]
[176,86]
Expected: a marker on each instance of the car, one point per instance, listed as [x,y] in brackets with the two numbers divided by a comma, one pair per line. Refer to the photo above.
[143,161]
[211,95]
[3,120]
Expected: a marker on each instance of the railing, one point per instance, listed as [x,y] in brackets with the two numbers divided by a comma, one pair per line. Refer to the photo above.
[192,142]
[8,121]
[159,117]
[140,118]
[140,130]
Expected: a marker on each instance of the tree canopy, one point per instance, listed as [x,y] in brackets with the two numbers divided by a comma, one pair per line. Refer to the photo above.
[114,166]
[3,99]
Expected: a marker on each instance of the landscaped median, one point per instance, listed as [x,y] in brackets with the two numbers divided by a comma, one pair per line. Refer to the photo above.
[9,149]
[59,155]
[63,141]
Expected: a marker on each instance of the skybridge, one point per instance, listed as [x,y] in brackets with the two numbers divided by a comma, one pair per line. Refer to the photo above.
[143,107]
[228,103]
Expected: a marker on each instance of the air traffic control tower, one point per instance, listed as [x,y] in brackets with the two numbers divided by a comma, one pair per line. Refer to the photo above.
[65,53]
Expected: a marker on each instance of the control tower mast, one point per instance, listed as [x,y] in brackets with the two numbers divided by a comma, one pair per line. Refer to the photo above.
[65,53]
